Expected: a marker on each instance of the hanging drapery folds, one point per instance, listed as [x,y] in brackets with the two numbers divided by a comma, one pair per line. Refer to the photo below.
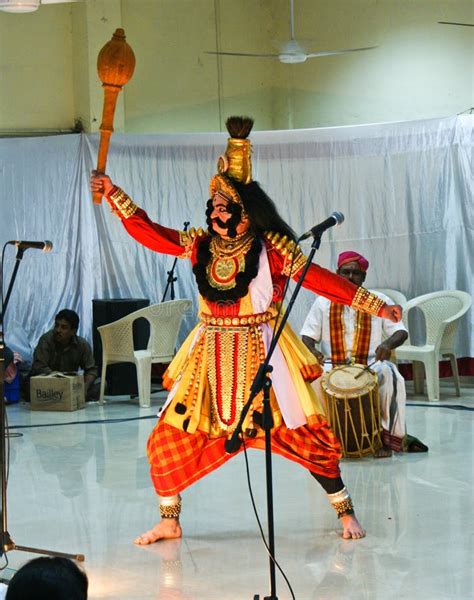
[115,65]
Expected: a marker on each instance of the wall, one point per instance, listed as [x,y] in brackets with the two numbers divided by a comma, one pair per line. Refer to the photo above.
[420,69]
[36,89]
[177,86]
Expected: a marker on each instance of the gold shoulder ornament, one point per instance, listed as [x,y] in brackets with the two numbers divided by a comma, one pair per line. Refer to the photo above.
[188,238]
[294,259]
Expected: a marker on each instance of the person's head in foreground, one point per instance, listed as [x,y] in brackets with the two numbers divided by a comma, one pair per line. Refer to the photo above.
[48,579]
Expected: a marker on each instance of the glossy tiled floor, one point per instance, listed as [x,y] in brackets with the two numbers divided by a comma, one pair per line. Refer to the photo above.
[78,483]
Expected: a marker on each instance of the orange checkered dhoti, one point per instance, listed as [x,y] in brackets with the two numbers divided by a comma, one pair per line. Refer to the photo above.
[178,459]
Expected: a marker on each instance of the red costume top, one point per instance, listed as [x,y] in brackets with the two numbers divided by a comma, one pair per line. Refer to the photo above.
[319,280]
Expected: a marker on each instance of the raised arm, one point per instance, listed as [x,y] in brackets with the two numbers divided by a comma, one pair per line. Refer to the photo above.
[336,288]
[289,261]
[152,235]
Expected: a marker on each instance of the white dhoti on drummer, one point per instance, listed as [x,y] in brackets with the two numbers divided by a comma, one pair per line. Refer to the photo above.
[351,330]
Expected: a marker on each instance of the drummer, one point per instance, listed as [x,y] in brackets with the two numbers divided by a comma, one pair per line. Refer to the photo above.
[345,335]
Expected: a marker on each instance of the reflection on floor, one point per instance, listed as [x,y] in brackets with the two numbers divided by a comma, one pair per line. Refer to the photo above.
[78,483]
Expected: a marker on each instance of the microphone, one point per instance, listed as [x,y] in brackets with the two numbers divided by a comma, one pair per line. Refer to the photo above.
[232,444]
[45,246]
[335,219]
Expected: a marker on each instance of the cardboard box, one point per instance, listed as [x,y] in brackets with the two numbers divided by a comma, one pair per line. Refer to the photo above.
[57,391]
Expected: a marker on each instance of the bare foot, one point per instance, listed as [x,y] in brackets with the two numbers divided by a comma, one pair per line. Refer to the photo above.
[383,452]
[352,528]
[166,529]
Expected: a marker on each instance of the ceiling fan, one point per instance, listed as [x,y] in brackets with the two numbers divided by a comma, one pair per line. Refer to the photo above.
[293,51]
[452,23]
[24,6]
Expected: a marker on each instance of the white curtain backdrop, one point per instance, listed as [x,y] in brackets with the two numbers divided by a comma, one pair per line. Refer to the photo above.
[406,190]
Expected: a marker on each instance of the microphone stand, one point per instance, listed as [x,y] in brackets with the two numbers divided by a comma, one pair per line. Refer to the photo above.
[6,542]
[262,381]
[171,279]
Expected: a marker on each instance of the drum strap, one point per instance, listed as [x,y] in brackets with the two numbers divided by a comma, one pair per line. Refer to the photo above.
[361,342]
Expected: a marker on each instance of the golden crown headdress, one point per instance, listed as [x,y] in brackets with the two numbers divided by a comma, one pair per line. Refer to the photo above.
[236,162]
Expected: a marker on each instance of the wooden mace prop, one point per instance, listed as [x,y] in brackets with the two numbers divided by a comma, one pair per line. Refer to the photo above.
[115,65]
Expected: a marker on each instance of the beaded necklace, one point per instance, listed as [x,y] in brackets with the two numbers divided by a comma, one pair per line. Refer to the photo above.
[225,277]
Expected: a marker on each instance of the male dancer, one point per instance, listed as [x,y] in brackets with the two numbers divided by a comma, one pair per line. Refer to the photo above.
[241,264]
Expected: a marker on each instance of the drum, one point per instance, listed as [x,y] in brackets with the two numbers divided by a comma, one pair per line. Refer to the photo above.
[353,408]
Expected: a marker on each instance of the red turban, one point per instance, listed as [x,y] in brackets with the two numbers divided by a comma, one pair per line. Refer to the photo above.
[351,256]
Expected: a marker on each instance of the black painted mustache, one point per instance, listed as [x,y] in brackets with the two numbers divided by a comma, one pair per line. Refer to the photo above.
[220,223]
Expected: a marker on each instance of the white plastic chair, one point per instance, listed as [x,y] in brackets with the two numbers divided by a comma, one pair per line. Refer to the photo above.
[442,311]
[117,342]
